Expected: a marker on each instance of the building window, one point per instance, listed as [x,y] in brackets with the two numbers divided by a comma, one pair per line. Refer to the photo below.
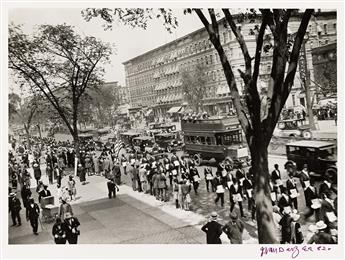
[293,100]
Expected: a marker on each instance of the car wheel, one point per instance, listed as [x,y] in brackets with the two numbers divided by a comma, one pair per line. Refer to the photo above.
[169,149]
[197,159]
[307,134]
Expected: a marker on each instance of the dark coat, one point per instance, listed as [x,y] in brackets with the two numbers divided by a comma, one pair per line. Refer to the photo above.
[234,231]
[14,205]
[275,175]
[285,223]
[310,193]
[213,232]
[32,212]
[324,189]
[321,237]
[72,225]
[303,177]
[283,202]
[43,193]
[59,230]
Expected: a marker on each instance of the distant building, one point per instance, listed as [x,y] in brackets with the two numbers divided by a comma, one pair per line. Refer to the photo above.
[154,80]
[325,69]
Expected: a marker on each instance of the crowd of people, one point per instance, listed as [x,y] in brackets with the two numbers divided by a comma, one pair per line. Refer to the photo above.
[171,178]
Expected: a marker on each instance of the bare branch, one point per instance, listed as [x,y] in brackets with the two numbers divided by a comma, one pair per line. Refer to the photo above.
[242,43]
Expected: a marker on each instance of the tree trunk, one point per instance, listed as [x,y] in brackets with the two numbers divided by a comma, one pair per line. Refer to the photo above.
[39,131]
[266,228]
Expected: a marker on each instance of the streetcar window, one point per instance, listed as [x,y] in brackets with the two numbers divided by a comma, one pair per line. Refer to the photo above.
[209,140]
[202,140]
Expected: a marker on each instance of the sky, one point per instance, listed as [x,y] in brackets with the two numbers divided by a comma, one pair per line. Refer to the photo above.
[129,42]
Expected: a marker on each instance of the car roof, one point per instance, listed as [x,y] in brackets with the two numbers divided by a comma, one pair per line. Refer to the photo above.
[130,133]
[307,143]
[166,134]
[143,138]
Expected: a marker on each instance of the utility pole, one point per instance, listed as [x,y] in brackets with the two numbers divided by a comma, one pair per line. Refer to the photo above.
[305,77]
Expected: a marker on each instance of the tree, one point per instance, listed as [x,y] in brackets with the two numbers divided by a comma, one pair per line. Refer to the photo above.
[194,86]
[60,65]
[13,105]
[258,129]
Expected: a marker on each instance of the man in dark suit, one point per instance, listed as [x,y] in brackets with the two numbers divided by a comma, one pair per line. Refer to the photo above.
[236,195]
[44,193]
[213,230]
[276,177]
[32,215]
[15,207]
[284,201]
[310,193]
[304,176]
[72,231]
[291,187]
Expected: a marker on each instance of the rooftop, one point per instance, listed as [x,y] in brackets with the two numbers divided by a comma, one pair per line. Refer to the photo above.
[314,144]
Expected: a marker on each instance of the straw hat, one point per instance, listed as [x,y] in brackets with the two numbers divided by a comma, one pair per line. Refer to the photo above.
[233,216]
[68,215]
[12,194]
[320,225]
[214,215]
[316,204]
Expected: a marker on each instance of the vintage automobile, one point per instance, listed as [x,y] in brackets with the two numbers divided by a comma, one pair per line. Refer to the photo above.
[218,138]
[320,157]
[293,128]
[145,144]
[168,141]
[127,139]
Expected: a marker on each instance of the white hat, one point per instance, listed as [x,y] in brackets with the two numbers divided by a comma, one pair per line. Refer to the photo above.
[214,215]
[320,225]
[316,204]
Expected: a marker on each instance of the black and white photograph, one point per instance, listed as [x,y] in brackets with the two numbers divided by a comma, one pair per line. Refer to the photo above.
[172,125]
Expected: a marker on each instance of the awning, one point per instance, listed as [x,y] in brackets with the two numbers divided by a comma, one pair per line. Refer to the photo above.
[174,110]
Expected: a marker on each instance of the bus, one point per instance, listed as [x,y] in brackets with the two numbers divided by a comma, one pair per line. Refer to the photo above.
[218,138]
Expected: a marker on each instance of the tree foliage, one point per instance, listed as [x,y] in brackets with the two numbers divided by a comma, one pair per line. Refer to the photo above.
[59,65]
[194,86]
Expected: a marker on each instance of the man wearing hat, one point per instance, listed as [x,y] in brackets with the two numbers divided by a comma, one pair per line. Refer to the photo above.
[311,196]
[44,193]
[234,229]
[32,215]
[213,230]
[14,209]
[72,231]
[285,223]
[321,237]
[304,176]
